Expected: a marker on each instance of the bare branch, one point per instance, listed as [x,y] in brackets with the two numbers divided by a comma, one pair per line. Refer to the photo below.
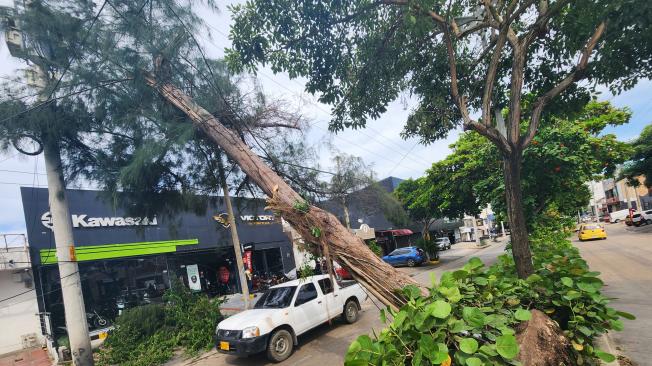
[490,78]
[492,134]
[545,14]
[577,74]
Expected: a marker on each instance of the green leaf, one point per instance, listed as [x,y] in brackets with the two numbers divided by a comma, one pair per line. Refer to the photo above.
[440,309]
[522,315]
[474,263]
[625,315]
[473,361]
[452,294]
[533,278]
[473,316]
[506,346]
[567,281]
[383,317]
[604,356]
[588,287]
[468,345]
[481,281]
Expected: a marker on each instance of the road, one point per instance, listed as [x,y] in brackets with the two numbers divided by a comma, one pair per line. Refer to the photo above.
[625,261]
[327,344]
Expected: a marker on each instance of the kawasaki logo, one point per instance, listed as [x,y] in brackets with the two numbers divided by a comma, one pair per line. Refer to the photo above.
[85,221]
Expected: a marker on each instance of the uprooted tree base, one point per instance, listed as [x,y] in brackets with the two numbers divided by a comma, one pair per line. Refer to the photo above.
[542,342]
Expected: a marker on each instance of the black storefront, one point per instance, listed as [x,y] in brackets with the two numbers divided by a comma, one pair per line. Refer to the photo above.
[126,261]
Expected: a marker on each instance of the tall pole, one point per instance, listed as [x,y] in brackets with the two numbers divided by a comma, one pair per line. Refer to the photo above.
[71,289]
[502,228]
[237,249]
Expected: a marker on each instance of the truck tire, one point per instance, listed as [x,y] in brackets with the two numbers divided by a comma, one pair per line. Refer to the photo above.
[280,346]
[350,314]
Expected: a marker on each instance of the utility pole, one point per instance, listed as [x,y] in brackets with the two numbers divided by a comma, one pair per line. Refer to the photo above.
[237,249]
[70,280]
[502,228]
[73,300]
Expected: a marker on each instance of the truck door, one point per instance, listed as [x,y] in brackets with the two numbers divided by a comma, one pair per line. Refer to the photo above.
[309,309]
[334,305]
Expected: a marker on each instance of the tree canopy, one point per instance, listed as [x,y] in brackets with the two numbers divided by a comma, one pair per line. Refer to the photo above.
[641,161]
[567,152]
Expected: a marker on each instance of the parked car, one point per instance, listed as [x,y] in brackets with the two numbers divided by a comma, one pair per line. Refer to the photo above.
[286,311]
[410,256]
[591,231]
[637,219]
[443,243]
[618,216]
[647,216]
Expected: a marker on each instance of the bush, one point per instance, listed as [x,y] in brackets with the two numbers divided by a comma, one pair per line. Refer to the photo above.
[428,246]
[469,316]
[373,245]
[149,335]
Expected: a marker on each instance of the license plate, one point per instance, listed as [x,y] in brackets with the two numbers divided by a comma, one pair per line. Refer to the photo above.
[103,335]
[224,346]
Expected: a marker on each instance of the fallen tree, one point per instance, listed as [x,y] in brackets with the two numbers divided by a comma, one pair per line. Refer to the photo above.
[312,223]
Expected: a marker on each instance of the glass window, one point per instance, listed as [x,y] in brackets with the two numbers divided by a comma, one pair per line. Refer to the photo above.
[326,286]
[307,293]
[591,227]
[276,298]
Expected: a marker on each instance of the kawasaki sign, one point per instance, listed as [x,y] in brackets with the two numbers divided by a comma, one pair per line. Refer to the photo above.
[82,221]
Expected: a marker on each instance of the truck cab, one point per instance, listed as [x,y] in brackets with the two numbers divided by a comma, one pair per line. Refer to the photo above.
[286,311]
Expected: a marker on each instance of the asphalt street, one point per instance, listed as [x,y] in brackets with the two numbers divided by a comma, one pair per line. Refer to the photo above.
[328,343]
[625,261]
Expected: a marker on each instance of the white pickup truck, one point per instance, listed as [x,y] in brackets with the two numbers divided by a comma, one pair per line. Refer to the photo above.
[286,311]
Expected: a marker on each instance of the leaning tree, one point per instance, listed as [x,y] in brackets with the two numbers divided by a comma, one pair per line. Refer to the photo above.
[140,73]
[466,62]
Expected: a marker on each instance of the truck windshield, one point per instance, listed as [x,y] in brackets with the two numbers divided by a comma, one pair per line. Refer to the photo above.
[276,298]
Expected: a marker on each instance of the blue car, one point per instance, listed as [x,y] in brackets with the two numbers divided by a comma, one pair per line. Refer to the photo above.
[410,256]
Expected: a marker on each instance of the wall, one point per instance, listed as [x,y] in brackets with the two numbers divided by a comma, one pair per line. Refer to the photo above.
[17,315]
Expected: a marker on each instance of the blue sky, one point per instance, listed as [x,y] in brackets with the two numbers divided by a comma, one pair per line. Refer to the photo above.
[379,144]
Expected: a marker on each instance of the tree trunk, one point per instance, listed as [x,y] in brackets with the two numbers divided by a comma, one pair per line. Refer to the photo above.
[345,208]
[313,224]
[514,202]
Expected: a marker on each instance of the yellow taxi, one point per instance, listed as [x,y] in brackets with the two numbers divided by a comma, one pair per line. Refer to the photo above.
[591,231]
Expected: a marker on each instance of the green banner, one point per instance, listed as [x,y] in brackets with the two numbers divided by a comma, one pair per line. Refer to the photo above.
[109,251]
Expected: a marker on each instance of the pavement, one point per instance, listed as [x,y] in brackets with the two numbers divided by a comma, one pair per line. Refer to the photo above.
[328,343]
[625,261]
[27,357]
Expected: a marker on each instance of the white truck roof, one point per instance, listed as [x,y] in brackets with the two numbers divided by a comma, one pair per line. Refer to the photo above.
[301,281]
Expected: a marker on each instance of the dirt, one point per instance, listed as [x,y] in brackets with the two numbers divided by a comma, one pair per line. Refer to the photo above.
[542,342]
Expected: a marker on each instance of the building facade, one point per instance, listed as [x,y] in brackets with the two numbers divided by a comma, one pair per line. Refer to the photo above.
[126,260]
[19,311]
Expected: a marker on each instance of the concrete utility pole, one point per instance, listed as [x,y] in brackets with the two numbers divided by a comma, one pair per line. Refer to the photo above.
[476,235]
[71,289]
[73,301]
[237,249]
[502,228]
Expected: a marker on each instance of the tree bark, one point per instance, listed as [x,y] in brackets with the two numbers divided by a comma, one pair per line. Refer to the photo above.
[514,202]
[313,224]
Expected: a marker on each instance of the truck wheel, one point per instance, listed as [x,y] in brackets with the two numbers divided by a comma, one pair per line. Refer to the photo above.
[280,346]
[411,263]
[350,312]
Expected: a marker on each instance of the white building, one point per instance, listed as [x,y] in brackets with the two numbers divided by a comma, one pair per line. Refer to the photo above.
[21,326]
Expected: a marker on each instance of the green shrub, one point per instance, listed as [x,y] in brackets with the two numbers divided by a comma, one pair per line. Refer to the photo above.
[149,335]
[429,246]
[373,245]
[470,314]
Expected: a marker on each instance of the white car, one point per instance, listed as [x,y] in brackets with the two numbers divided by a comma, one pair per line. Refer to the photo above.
[443,243]
[286,311]
[646,217]
[618,216]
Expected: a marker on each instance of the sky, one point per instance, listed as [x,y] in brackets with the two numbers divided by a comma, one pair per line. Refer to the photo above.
[379,144]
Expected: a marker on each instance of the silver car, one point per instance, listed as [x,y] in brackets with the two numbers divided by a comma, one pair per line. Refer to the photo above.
[443,243]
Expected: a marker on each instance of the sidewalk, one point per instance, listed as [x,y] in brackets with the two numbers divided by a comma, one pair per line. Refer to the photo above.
[28,357]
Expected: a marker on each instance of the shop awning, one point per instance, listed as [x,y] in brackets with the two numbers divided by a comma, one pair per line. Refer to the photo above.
[395,232]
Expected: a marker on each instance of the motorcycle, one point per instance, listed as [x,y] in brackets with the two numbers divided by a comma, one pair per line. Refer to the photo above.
[96,319]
